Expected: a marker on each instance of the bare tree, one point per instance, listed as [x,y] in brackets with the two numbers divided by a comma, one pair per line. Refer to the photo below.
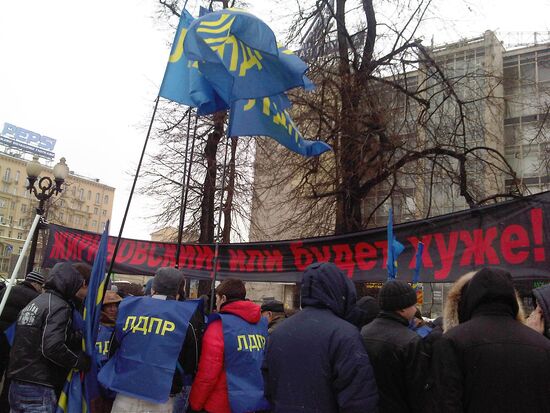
[408,127]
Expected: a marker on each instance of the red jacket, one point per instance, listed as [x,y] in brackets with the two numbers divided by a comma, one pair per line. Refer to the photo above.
[209,390]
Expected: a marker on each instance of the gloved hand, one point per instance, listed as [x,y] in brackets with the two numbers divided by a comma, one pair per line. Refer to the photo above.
[83,362]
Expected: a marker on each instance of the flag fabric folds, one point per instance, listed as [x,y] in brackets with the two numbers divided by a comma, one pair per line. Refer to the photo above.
[183,83]
[268,117]
[394,249]
[81,390]
[239,56]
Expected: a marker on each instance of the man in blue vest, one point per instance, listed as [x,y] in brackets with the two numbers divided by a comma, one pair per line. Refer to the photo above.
[229,379]
[156,342]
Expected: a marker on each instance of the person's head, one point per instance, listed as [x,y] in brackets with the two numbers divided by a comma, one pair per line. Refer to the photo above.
[167,282]
[36,280]
[492,289]
[85,271]
[399,297]
[324,285]
[64,279]
[273,308]
[365,311]
[110,304]
[229,290]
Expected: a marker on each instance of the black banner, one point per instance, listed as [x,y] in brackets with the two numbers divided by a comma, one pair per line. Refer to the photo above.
[510,235]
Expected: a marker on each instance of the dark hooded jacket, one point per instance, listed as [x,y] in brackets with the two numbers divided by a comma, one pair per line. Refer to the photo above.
[40,353]
[491,362]
[542,295]
[315,361]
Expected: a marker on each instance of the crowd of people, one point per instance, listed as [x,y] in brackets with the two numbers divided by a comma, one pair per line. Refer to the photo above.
[159,353]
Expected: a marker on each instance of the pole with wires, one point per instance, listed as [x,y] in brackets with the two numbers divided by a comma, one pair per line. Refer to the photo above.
[115,251]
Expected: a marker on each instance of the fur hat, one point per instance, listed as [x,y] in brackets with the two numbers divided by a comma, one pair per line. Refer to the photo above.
[396,295]
[111,298]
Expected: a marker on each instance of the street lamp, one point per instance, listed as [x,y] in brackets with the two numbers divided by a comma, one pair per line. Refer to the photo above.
[45,189]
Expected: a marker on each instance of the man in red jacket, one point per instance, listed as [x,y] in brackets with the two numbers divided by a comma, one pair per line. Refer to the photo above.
[229,377]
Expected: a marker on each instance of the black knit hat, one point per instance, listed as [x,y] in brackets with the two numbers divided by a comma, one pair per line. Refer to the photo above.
[273,306]
[35,277]
[396,295]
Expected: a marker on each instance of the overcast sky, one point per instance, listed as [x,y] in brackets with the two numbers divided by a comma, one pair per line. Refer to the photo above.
[87,74]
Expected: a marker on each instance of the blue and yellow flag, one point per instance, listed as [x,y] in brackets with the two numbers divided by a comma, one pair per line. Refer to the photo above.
[239,56]
[80,390]
[268,117]
[394,249]
[183,83]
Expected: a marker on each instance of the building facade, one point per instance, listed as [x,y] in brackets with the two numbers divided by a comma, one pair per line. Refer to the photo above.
[84,203]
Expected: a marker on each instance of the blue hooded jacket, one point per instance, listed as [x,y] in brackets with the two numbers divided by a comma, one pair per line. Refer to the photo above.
[315,360]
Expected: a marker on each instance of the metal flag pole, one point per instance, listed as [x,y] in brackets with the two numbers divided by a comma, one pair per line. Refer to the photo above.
[115,251]
[11,281]
[217,247]
[183,191]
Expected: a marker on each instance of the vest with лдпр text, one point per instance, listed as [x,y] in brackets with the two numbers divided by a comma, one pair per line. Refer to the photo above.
[151,333]
[244,348]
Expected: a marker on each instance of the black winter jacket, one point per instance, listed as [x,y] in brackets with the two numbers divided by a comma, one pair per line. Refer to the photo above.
[491,362]
[542,295]
[399,361]
[18,299]
[315,361]
[40,353]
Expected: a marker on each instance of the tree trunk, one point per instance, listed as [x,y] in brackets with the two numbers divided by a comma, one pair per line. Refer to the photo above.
[230,188]
[209,187]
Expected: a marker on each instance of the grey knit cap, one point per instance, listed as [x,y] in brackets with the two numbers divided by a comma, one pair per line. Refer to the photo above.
[167,281]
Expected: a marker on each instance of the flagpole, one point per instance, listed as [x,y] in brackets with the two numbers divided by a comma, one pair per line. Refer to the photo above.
[183,191]
[217,247]
[19,261]
[115,251]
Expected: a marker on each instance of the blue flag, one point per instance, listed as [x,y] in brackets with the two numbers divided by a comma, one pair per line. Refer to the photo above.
[81,389]
[239,56]
[268,117]
[183,83]
[418,266]
[394,249]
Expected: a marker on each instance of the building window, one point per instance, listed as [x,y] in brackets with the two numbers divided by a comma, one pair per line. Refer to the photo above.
[5,188]
[7,173]
[81,194]
[97,198]
[104,212]
[21,222]
[19,235]
[94,223]
[61,203]
[9,234]
[106,199]
[12,205]
[23,208]
[96,211]
[17,175]
[89,195]
[15,190]
[20,250]
[10,220]
[102,225]
[2,203]
[77,220]
[61,216]
[1,219]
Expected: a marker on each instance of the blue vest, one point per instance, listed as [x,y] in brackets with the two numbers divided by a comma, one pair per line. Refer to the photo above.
[151,334]
[102,345]
[244,348]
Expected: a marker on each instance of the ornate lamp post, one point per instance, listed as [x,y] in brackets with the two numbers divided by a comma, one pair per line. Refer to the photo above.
[45,189]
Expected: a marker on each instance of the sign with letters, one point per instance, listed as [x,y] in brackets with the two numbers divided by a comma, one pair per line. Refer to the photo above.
[513,235]
[27,141]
